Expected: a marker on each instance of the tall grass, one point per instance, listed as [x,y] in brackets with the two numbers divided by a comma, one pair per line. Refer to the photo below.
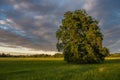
[57,69]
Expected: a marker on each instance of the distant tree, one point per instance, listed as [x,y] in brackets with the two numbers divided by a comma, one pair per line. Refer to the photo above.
[5,55]
[57,55]
[80,39]
[114,55]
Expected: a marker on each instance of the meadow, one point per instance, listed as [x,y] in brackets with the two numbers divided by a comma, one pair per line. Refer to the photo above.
[57,69]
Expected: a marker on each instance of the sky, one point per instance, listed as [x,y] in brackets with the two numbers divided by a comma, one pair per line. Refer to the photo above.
[30,25]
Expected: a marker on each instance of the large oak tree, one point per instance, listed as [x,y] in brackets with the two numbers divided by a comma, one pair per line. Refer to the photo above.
[80,39]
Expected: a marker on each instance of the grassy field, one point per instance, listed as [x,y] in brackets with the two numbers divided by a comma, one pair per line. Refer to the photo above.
[57,69]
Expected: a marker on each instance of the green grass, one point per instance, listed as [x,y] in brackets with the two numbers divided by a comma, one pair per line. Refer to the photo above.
[57,69]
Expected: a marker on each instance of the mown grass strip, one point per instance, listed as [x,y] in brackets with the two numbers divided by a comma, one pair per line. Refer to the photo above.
[29,59]
[108,58]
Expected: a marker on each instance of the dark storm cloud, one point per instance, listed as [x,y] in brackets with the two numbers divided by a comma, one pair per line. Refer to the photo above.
[33,23]
[39,19]
[33,19]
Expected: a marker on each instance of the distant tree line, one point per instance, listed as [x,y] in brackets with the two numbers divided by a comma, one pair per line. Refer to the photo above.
[114,55]
[57,55]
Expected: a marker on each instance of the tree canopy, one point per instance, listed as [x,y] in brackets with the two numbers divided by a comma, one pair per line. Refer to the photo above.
[80,39]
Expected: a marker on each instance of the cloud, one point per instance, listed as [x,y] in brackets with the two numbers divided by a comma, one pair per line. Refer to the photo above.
[89,4]
[107,13]
[26,28]
[33,23]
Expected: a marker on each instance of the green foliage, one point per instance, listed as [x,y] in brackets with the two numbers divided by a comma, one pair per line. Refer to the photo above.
[57,70]
[80,39]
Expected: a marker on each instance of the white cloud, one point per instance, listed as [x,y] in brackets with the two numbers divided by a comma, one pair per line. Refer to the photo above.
[40,17]
[89,4]
[24,51]
[16,6]
[22,5]
[2,22]
[6,21]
